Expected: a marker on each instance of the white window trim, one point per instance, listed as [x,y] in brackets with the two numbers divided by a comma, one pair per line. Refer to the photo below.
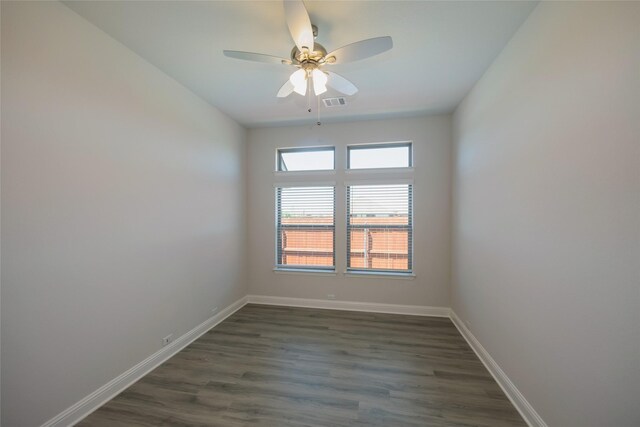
[304,271]
[305,184]
[319,172]
[407,170]
[377,274]
[392,181]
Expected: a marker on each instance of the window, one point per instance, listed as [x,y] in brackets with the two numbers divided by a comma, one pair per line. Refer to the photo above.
[379,210]
[375,156]
[305,228]
[305,159]
[379,228]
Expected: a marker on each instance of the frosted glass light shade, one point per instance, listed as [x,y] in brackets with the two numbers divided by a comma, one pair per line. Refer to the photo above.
[319,82]
[299,81]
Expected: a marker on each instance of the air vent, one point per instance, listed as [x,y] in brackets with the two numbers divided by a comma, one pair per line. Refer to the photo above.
[334,102]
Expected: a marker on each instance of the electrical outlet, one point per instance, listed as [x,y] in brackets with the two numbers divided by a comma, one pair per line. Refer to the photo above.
[331,296]
[166,340]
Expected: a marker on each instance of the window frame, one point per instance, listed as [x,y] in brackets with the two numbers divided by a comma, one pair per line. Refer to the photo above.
[409,227]
[394,175]
[378,145]
[279,160]
[279,267]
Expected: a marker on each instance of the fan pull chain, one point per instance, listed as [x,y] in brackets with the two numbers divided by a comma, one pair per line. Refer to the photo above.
[318,98]
[308,96]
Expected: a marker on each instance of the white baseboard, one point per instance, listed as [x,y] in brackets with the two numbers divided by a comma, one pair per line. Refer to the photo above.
[108,391]
[531,417]
[414,310]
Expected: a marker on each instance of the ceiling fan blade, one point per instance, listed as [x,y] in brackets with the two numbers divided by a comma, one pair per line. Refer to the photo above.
[299,24]
[286,89]
[360,50]
[341,84]
[257,57]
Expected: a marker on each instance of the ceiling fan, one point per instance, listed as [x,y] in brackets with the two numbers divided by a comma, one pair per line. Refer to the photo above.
[311,57]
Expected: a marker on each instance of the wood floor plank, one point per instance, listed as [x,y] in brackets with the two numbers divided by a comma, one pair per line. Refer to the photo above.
[284,366]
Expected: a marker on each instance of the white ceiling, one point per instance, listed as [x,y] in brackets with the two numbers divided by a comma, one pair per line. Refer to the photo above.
[440,50]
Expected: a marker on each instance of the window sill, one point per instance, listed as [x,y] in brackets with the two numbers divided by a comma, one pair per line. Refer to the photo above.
[380,274]
[304,271]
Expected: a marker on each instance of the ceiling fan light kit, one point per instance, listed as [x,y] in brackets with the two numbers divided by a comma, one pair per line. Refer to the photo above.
[310,57]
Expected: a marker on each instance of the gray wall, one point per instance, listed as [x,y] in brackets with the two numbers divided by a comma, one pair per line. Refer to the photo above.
[547,212]
[122,210]
[432,159]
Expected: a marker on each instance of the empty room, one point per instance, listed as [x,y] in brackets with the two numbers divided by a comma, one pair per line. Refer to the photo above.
[320,213]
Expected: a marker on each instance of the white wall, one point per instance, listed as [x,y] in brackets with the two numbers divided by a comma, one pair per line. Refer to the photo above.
[547,212]
[122,210]
[432,148]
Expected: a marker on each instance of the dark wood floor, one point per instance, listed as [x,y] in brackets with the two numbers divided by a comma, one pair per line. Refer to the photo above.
[280,366]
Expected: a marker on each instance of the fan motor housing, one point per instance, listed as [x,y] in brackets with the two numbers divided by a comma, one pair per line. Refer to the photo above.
[316,56]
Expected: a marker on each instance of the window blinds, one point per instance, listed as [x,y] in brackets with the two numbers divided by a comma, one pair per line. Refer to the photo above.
[379,228]
[305,227]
